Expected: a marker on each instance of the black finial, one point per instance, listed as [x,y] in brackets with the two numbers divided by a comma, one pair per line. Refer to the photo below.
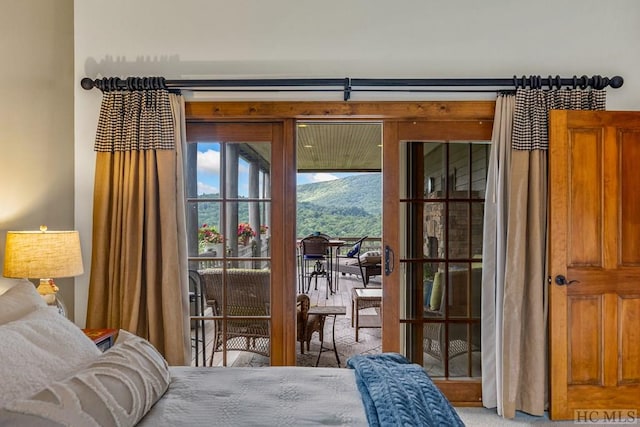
[616,82]
[87,83]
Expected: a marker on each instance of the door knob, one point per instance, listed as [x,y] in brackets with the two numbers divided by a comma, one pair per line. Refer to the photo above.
[562,281]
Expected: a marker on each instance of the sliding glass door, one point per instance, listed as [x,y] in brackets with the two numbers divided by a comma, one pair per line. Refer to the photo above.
[235,223]
[435,180]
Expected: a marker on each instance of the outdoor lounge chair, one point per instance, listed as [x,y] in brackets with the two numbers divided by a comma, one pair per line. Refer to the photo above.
[365,265]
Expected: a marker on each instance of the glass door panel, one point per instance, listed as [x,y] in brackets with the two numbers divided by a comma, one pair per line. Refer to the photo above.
[229,225]
[442,210]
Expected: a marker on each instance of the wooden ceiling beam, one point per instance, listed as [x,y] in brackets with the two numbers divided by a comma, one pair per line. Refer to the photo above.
[405,110]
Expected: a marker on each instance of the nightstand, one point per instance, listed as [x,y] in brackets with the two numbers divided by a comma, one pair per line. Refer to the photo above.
[104,338]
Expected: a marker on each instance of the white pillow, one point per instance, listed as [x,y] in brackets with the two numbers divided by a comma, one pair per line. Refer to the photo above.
[117,389]
[19,300]
[6,283]
[41,347]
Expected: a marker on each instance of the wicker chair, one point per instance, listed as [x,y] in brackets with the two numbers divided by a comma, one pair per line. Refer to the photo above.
[306,324]
[247,293]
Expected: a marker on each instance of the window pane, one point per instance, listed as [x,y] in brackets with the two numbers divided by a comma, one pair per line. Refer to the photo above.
[253,166]
[479,166]
[434,337]
[243,224]
[434,288]
[458,291]
[458,230]
[476,365]
[460,350]
[434,170]
[205,235]
[477,221]
[207,170]
[476,289]
[459,176]
[434,228]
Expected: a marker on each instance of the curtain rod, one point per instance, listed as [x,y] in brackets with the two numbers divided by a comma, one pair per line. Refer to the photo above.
[348,85]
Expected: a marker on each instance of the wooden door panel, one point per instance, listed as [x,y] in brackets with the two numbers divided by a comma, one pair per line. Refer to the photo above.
[599,398]
[585,192]
[585,349]
[594,240]
[629,196]
[629,341]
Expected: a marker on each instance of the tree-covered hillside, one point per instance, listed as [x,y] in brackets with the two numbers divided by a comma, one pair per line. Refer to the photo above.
[350,206]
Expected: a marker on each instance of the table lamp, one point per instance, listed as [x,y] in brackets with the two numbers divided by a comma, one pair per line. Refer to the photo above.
[43,254]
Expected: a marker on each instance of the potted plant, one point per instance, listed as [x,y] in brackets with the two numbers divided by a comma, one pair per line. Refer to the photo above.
[209,238]
[245,233]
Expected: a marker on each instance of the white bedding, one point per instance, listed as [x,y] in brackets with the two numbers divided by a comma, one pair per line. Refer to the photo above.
[274,396]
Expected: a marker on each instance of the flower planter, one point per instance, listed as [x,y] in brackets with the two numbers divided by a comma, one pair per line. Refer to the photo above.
[213,249]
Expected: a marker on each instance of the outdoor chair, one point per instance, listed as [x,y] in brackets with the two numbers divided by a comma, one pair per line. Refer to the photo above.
[196,308]
[246,293]
[362,264]
[455,301]
[314,253]
[306,323]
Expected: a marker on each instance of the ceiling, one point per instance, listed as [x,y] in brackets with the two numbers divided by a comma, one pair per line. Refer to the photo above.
[338,146]
[329,147]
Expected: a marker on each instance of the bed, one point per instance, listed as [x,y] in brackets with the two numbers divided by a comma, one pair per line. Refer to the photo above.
[53,375]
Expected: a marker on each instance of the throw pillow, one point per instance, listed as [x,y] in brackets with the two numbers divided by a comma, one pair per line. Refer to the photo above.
[354,250]
[19,300]
[116,389]
[39,348]
[436,292]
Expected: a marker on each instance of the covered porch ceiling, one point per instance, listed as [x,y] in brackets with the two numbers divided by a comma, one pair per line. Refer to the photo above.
[339,146]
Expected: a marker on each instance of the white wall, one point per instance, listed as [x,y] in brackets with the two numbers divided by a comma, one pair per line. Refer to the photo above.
[36,119]
[342,38]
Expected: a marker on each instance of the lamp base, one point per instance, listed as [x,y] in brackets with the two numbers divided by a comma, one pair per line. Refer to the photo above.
[49,292]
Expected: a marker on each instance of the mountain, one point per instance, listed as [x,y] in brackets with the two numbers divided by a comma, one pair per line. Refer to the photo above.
[350,206]
[346,207]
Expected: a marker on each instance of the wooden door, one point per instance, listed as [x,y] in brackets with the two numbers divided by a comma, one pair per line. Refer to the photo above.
[594,173]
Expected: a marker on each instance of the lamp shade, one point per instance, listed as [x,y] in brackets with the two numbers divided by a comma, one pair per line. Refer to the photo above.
[42,254]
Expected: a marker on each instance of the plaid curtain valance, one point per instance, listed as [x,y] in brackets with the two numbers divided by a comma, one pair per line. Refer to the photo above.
[134,121]
[531,116]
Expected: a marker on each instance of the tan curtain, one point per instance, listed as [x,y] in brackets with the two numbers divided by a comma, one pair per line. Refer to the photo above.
[139,278]
[494,250]
[521,373]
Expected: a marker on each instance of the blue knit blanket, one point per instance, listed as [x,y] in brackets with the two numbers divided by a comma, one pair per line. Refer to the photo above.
[396,392]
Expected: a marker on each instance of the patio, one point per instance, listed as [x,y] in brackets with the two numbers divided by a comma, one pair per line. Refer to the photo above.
[369,340]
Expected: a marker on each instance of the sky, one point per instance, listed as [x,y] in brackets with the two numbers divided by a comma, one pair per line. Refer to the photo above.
[208,173]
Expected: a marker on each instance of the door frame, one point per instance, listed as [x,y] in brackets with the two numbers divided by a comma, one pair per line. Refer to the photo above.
[282,186]
[400,121]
